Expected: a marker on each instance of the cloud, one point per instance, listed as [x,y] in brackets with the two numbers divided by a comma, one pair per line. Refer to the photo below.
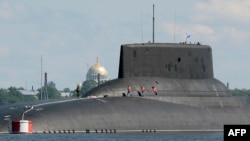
[196,30]
[10,11]
[72,34]
[4,51]
[53,41]
[231,10]
[5,11]
[227,20]
[236,34]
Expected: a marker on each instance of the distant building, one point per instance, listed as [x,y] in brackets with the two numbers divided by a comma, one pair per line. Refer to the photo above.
[66,94]
[97,73]
[29,92]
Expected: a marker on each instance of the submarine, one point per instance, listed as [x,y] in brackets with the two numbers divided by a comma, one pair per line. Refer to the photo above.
[160,87]
[188,98]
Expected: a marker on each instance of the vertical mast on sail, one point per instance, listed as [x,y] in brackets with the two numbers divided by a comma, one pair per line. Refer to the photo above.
[153,23]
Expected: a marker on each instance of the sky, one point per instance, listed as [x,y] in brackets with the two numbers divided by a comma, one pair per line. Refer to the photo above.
[70,34]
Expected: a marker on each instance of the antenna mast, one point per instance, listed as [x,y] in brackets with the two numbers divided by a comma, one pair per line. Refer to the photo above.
[174,21]
[41,94]
[45,86]
[153,23]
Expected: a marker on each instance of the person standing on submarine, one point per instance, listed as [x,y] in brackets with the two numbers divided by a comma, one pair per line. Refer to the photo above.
[142,91]
[154,90]
[129,91]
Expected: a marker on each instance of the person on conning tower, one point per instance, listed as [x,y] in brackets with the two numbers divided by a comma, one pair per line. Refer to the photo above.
[154,90]
[141,93]
[129,91]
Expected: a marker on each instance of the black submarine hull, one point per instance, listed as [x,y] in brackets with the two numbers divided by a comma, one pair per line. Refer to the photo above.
[189,97]
[134,113]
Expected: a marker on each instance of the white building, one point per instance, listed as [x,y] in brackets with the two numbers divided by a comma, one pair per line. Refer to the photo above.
[29,92]
[66,94]
[97,73]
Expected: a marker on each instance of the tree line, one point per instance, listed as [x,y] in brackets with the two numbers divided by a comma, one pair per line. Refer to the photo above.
[13,94]
[240,92]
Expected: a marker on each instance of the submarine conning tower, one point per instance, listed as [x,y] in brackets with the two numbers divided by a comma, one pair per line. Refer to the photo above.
[168,60]
[175,69]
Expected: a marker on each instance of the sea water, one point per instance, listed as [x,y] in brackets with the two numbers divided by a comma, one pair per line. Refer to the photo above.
[204,136]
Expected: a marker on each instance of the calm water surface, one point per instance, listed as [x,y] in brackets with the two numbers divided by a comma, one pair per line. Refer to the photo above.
[207,136]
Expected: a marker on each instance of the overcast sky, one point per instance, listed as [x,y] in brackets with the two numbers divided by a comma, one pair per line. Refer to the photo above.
[70,34]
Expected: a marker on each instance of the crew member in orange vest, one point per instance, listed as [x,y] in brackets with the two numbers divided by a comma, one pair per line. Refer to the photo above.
[154,90]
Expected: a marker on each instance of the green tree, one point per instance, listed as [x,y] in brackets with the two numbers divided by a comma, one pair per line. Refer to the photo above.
[51,90]
[11,95]
[67,90]
[51,84]
[240,92]
[87,86]
[3,96]
[14,95]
